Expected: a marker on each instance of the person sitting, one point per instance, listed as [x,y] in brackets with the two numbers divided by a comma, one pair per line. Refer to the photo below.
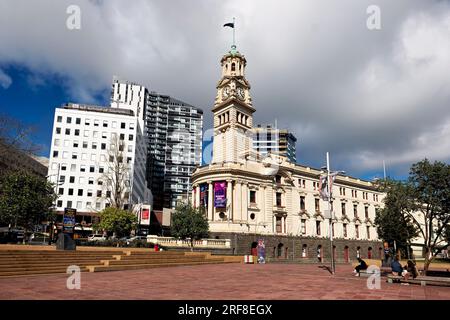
[362,266]
[411,270]
[396,267]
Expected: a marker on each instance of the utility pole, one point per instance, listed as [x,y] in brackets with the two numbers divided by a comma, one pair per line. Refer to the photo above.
[330,210]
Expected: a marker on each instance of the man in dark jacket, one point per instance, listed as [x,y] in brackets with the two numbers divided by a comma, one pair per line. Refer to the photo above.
[362,266]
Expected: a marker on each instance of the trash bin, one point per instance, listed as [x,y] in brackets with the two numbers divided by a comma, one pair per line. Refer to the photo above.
[156,247]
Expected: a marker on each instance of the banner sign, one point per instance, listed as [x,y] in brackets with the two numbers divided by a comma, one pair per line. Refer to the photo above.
[145,214]
[203,195]
[69,220]
[220,198]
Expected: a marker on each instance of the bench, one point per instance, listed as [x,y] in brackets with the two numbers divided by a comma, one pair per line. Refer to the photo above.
[383,272]
[422,280]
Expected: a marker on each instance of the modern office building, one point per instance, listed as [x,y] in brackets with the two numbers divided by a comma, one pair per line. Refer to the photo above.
[173,131]
[97,159]
[270,139]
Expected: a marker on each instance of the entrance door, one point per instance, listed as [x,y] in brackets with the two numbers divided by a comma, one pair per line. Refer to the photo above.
[346,255]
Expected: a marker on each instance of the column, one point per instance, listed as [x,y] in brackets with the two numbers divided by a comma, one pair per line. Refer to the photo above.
[283,224]
[230,199]
[237,212]
[210,201]
[244,201]
[193,198]
[274,224]
[262,194]
[197,196]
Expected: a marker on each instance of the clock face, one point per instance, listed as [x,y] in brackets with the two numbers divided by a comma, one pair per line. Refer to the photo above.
[241,93]
[226,92]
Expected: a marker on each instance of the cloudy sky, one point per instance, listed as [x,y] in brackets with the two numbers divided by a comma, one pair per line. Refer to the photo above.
[363,95]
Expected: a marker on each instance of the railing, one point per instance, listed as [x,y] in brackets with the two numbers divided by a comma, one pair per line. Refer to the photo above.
[203,243]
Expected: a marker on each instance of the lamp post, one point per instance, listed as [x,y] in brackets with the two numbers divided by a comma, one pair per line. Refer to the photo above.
[58,183]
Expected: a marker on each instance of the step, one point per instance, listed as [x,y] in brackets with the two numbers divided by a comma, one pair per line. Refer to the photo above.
[61,263]
[158,261]
[147,266]
[44,267]
[141,256]
[50,259]
[56,252]
[36,272]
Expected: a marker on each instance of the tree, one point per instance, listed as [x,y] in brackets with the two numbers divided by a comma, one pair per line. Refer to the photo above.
[423,201]
[118,221]
[393,224]
[15,134]
[116,177]
[25,199]
[189,223]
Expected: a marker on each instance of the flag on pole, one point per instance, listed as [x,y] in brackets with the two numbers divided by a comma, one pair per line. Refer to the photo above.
[323,190]
[230,24]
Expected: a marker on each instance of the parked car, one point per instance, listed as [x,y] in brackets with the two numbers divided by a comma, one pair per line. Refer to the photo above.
[137,238]
[96,237]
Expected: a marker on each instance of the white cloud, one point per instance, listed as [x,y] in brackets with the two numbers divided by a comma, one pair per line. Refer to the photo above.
[363,95]
[5,80]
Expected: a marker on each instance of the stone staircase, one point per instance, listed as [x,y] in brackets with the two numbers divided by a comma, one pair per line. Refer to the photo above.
[35,262]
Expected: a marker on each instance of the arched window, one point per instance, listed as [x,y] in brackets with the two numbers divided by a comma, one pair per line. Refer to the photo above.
[279,250]
[304,251]
[233,67]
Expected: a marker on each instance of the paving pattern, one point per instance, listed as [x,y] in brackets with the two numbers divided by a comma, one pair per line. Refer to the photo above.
[217,282]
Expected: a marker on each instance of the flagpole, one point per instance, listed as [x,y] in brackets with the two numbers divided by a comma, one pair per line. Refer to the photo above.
[234,28]
[330,210]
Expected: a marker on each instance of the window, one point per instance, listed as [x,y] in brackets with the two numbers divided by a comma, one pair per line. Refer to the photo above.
[96,122]
[59,119]
[70,192]
[277,179]
[278,199]
[77,132]
[55,154]
[88,204]
[101,169]
[105,124]
[99,193]
[103,146]
[93,157]
[100,182]
[278,225]
[252,196]
[78,204]
[368,232]
[78,121]
[58,130]
[66,143]
[61,191]
[69,120]
[92,169]
[86,133]
[122,136]
[122,125]
[111,158]
[94,145]
[108,194]
[121,147]
[315,185]
[67,131]
[82,168]
[71,179]
[128,159]
[366,212]
[69,204]
[87,122]
[104,135]
[302,203]
[95,134]
[75,144]
[355,211]
[344,226]
[131,126]
[85,144]
[63,167]
[89,193]
[91,180]
[80,192]
[343,209]
[59,203]
[74,155]
[318,228]
[84,156]
[357,231]
[130,148]
[317,204]
[65,154]
[303,226]
[114,124]
[57,141]
[81,180]
[130,137]
[97,205]
[62,179]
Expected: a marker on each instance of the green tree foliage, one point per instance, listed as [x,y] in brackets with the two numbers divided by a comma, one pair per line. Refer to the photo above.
[119,222]
[393,222]
[25,199]
[424,201]
[189,223]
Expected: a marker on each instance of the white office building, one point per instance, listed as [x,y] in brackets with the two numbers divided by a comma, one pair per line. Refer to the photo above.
[92,148]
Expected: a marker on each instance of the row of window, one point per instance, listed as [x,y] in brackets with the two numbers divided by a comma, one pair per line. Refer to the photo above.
[95,122]
[79,204]
[80,192]
[94,145]
[95,134]
[344,229]
[302,184]
[65,155]
[317,206]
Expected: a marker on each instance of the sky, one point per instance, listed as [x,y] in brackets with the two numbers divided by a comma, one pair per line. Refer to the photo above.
[363,95]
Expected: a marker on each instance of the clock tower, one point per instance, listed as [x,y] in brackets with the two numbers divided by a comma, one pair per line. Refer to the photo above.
[233,111]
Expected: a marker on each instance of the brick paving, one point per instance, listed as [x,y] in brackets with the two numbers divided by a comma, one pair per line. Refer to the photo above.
[217,282]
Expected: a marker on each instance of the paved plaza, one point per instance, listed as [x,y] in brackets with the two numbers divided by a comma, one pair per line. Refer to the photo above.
[216,282]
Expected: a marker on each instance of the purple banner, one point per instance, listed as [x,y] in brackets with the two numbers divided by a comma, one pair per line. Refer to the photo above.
[220,197]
